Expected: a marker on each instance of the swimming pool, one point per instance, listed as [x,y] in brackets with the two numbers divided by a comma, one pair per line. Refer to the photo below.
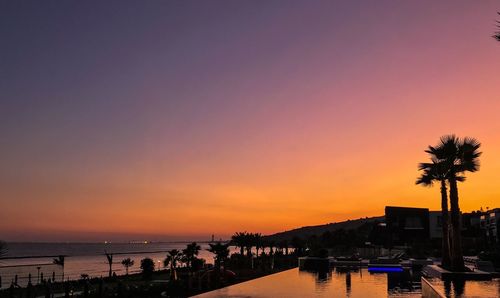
[339,282]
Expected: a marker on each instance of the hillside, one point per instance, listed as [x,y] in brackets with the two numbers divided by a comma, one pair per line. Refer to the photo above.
[305,232]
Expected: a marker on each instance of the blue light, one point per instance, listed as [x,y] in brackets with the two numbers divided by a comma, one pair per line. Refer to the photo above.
[385,269]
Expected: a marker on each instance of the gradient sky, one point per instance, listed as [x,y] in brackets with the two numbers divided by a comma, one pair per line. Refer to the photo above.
[179,119]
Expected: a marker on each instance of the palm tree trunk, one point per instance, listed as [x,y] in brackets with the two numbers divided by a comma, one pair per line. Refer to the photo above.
[446,261]
[457,260]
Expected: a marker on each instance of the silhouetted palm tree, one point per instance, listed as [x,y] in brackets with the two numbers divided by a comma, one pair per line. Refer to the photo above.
[221,253]
[173,256]
[109,257]
[272,245]
[257,242]
[60,261]
[249,243]
[457,156]
[239,240]
[436,171]
[190,253]
[127,263]
[166,262]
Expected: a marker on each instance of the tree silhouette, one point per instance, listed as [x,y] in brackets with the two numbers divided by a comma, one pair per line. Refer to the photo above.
[127,263]
[60,261]
[257,242]
[221,253]
[436,171]
[456,156]
[190,253]
[109,257]
[166,262]
[249,243]
[271,244]
[239,240]
[147,266]
[173,256]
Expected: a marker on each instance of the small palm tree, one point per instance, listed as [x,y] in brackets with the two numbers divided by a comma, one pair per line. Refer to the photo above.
[257,241]
[239,240]
[127,263]
[272,246]
[173,256]
[190,253]
[60,261]
[221,252]
[249,243]
[109,257]
[166,262]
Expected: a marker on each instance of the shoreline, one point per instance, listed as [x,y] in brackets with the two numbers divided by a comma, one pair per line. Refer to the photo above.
[134,284]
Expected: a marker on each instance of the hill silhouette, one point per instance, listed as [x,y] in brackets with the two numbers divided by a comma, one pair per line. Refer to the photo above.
[305,232]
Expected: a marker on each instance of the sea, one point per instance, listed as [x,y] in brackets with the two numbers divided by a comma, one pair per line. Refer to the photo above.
[35,261]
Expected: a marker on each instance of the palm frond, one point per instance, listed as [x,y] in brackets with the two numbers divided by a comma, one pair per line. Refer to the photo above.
[425,180]
[469,155]
[450,159]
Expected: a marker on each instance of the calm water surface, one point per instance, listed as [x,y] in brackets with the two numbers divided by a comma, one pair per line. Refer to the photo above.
[459,289]
[361,283]
[295,283]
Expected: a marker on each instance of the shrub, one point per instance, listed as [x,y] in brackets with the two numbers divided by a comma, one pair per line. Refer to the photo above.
[147,266]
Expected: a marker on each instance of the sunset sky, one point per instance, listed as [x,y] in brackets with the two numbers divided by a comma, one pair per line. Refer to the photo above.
[180,119]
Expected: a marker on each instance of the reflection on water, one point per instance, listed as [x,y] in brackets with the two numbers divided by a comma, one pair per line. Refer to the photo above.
[397,283]
[458,288]
[469,288]
[348,283]
[341,282]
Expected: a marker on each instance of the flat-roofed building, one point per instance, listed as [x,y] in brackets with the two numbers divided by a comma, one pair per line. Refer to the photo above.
[490,223]
[435,224]
[407,225]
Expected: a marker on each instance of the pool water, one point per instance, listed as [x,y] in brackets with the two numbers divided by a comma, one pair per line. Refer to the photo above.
[469,288]
[335,283]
